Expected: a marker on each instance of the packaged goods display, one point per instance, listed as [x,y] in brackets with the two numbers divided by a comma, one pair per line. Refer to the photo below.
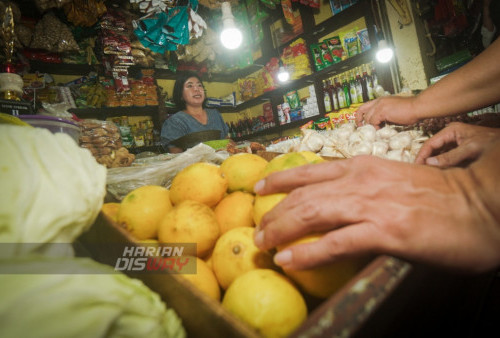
[355,86]
[140,134]
[104,141]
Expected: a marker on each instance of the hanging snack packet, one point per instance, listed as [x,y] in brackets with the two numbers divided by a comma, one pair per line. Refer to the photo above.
[255,17]
[271,3]
[165,31]
[326,56]
[293,99]
[364,40]
[335,6]
[318,60]
[350,42]
[336,48]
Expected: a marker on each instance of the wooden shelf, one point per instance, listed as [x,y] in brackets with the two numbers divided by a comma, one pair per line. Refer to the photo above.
[134,71]
[303,81]
[278,129]
[62,68]
[104,113]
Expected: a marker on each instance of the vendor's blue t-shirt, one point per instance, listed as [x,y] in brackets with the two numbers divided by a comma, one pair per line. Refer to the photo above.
[181,124]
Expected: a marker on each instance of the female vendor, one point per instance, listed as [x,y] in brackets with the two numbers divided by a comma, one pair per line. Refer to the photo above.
[189,97]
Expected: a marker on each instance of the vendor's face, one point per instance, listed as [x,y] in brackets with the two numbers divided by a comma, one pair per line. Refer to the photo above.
[193,93]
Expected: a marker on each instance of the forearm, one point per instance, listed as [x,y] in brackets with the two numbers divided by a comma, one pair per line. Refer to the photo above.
[485,173]
[473,86]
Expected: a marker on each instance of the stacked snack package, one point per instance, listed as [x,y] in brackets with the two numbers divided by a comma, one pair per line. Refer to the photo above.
[52,35]
[269,75]
[256,16]
[84,12]
[247,88]
[103,139]
[296,60]
[46,4]
[144,90]
[116,49]
[340,47]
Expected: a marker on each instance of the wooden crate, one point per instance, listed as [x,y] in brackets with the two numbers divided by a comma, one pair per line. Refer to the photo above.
[388,297]
[345,312]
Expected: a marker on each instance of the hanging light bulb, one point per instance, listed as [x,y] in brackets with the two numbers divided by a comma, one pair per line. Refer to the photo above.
[230,37]
[283,74]
[384,52]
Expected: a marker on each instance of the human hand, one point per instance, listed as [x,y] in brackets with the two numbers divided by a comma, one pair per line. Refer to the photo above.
[395,109]
[468,142]
[370,205]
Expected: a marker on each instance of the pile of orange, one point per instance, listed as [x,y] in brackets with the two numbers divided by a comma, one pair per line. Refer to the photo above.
[215,207]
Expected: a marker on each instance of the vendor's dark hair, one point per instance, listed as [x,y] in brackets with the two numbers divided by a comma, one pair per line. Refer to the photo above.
[182,77]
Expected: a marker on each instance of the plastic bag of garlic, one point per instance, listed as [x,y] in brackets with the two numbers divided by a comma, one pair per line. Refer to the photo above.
[346,141]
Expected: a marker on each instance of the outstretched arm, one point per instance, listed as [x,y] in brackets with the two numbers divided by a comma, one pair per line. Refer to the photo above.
[472,86]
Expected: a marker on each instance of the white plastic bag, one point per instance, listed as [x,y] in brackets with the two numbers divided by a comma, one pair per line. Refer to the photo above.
[159,170]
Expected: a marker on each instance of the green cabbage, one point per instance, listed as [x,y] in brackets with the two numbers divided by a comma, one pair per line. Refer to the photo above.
[51,189]
[89,300]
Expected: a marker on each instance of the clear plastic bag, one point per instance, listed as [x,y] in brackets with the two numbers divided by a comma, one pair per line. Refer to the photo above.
[159,170]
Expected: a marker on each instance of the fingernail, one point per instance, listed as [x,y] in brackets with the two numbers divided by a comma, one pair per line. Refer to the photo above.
[258,238]
[283,258]
[432,161]
[258,186]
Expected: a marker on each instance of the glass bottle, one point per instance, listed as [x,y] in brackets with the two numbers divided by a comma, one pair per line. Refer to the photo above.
[352,88]
[340,93]
[359,86]
[327,99]
[333,93]
[374,76]
[369,83]
[345,88]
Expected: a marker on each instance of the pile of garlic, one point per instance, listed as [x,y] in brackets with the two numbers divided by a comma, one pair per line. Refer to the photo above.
[348,141]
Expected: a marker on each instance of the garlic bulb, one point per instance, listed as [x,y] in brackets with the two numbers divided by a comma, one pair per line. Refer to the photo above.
[367,132]
[347,141]
[312,141]
[379,148]
[360,148]
[401,140]
[355,137]
[348,126]
[386,132]
[395,155]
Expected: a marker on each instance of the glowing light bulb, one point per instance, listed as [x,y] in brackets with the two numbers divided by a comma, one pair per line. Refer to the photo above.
[283,75]
[230,37]
[384,53]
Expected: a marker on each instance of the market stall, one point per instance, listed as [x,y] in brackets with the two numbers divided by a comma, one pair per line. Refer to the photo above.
[173,233]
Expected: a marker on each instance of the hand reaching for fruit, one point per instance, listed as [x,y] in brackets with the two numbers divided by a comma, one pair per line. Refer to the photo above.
[370,205]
